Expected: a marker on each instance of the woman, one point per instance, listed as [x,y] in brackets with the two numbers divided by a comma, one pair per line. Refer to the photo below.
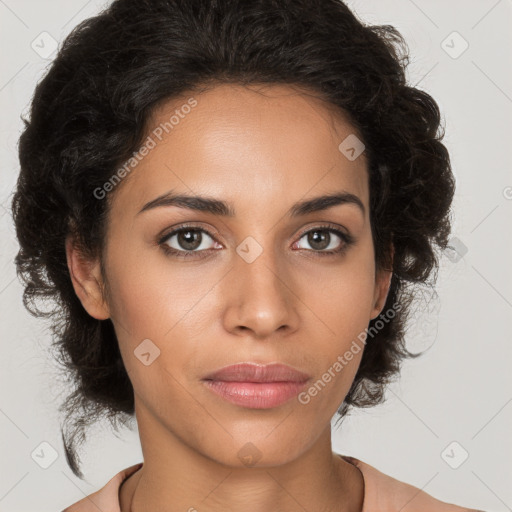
[230,203]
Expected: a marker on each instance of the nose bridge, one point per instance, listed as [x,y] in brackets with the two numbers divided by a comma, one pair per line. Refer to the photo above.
[261,260]
[258,265]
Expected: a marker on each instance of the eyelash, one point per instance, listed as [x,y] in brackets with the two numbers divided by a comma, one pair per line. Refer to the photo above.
[345,237]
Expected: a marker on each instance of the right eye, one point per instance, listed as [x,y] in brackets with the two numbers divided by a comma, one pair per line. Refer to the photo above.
[185,241]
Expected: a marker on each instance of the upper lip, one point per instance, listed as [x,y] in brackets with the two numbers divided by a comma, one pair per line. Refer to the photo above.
[253,372]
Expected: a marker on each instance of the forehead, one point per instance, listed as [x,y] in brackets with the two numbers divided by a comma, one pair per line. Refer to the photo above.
[251,146]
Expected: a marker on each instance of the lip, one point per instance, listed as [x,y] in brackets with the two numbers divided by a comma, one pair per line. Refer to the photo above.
[256,386]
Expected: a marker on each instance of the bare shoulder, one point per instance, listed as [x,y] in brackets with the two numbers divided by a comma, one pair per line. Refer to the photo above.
[106,498]
[388,494]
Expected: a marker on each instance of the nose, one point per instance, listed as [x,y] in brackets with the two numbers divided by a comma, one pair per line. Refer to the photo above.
[261,297]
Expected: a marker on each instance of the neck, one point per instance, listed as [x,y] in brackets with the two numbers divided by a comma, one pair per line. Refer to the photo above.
[187,480]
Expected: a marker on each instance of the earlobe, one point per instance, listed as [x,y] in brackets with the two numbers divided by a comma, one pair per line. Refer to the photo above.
[87,281]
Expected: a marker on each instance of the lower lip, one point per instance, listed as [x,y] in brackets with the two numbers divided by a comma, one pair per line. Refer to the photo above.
[256,395]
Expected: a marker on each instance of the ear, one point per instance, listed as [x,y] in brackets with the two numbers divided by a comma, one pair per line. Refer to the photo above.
[87,281]
[382,284]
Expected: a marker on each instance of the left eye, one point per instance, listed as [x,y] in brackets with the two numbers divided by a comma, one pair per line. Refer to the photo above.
[322,240]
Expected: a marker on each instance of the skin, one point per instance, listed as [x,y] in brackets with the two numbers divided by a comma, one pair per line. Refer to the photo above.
[261,149]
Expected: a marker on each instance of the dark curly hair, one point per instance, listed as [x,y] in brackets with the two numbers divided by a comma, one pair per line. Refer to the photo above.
[88,115]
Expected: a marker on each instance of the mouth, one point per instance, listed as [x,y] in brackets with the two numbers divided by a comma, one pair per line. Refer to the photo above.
[257,386]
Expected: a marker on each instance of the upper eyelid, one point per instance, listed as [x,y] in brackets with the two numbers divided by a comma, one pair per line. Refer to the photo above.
[175,231]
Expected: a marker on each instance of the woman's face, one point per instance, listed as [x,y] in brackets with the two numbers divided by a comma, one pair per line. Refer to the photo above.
[254,286]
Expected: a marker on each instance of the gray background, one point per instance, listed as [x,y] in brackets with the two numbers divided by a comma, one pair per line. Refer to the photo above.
[459,391]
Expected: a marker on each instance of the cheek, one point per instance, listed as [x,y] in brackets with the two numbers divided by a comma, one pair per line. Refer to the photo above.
[156,301]
[147,297]
[147,316]
[342,294]
[341,304]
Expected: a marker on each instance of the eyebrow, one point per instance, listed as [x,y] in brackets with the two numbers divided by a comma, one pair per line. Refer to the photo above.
[218,207]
